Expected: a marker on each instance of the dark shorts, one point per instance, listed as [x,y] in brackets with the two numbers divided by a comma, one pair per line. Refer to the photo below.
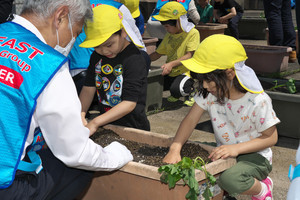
[55,181]
[179,86]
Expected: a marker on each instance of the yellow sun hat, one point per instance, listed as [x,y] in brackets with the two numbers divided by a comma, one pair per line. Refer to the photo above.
[133,7]
[107,20]
[170,11]
[223,52]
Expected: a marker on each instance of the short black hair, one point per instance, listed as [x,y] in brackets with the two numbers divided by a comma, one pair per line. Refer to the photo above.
[171,22]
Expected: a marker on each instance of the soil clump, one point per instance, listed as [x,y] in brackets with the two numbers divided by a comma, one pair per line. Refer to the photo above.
[147,154]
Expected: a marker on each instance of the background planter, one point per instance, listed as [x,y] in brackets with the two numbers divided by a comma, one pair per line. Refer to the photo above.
[267,59]
[154,89]
[210,29]
[286,106]
[253,27]
[150,44]
[136,181]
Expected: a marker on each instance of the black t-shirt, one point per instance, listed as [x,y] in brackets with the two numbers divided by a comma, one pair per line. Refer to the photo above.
[225,7]
[121,78]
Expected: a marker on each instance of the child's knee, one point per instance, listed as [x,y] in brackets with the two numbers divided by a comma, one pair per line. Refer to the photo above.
[235,183]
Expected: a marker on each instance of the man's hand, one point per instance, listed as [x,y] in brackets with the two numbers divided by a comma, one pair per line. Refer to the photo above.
[92,126]
[83,119]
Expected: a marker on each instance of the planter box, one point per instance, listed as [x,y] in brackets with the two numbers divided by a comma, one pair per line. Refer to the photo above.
[136,181]
[154,89]
[253,28]
[267,59]
[150,44]
[286,107]
[210,29]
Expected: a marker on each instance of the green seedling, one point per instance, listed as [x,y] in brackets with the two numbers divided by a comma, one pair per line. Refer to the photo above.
[185,170]
[290,85]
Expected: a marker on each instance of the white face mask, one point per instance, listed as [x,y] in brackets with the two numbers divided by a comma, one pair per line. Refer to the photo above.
[65,50]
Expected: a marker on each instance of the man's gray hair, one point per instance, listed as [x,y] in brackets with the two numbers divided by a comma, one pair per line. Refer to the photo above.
[78,9]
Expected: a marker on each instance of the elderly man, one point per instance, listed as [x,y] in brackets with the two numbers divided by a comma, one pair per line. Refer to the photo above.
[39,104]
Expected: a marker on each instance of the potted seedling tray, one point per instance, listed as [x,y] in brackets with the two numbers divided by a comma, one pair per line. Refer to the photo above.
[285,104]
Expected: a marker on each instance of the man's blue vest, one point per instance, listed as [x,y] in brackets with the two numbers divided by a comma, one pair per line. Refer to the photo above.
[26,67]
[160,3]
[80,57]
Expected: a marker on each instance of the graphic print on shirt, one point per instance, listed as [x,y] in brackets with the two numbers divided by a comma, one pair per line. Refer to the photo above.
[109,81]
[225,136]
[240,109]
[229,106]
[175,44]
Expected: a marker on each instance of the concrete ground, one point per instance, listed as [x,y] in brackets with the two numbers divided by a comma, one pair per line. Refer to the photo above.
[167,122]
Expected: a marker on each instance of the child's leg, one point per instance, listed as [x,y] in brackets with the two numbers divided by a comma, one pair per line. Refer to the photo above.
[233,25]
[245,176]
[182,86]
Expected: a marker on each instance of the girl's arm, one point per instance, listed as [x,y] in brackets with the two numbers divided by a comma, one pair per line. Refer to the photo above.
[268,138]
[113,114]
[86,97]
[230,15]
[183,133]
[167,68]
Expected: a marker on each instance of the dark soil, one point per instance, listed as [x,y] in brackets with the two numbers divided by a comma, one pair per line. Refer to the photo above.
[147,154]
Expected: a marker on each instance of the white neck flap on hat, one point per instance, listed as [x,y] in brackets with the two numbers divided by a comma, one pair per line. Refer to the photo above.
[247,78]
[132,35]
[185,24]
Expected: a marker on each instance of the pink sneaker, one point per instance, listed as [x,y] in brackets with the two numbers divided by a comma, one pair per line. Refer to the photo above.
[268,196]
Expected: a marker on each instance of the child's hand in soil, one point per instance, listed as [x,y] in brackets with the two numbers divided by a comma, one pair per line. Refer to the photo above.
[92,126]
[172,157]
[223,152]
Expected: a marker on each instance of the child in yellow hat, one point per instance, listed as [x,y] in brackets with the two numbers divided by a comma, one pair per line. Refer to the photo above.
[242,116]
[134,7]
[178,44]
[117,72]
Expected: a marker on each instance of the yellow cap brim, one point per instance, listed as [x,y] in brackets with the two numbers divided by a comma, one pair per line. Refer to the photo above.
[160,18]
[95,42]
[193,65]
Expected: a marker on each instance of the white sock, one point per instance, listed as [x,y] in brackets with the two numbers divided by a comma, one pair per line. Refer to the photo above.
[264,190]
